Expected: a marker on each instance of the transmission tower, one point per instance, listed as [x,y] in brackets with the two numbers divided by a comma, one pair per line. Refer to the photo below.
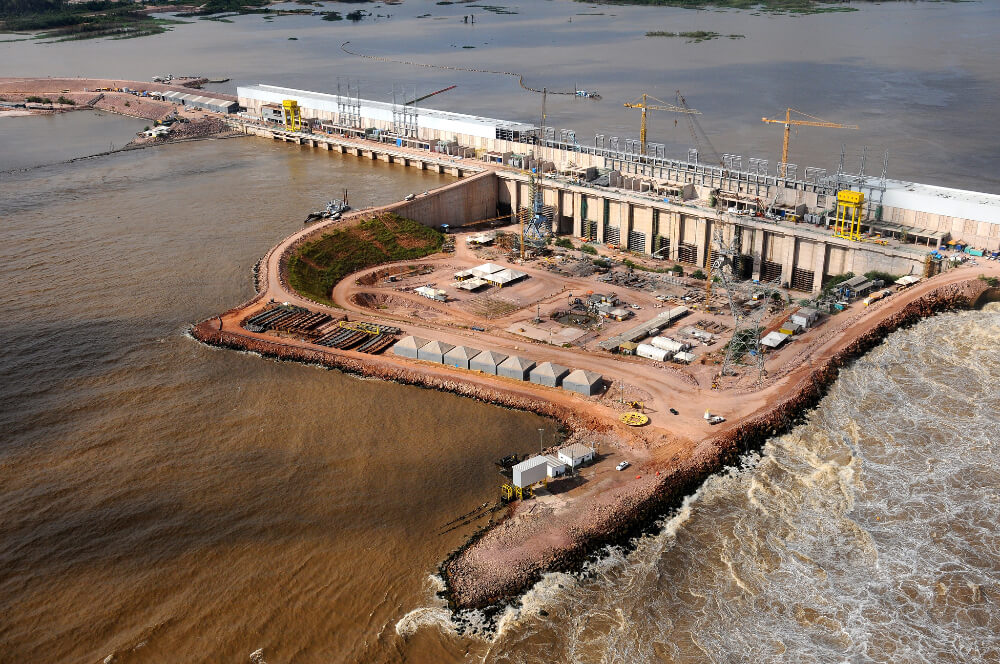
[748,302]
[538,226]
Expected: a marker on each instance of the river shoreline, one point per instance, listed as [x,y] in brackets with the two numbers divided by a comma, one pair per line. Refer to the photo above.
[472,582]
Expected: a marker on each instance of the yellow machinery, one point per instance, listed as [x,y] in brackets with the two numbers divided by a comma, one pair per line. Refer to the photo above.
[509,492]
[788,122]
[293,114]
[634,419]
[644,105]
[848,222]
[360,326]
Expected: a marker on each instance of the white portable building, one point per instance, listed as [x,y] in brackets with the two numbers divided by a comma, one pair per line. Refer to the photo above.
[576,454]
[685,357]
[773,339]
[409,347]
[431,293]
[530,471]
[556,467]
[652,352]
[806,317]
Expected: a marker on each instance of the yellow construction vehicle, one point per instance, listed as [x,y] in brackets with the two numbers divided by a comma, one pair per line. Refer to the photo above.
[788,122]
[644,105]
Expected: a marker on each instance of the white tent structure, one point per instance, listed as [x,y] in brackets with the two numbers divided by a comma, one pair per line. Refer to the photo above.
[515,367]
[459,356]
[487,361]
[549,374]
[434,351]
[409,347]
[587,383]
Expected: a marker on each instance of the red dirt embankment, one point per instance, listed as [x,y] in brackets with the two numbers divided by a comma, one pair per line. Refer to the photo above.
[502,561]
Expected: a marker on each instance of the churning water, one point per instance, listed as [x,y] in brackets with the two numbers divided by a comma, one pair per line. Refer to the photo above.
[866,534]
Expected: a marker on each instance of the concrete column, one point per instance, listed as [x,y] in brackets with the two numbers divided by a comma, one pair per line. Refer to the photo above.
[600,218]
[701,241]
[648,247]
[757,247]
[819,266]
[577,214]
[673,220]
[788,258]
[557,210]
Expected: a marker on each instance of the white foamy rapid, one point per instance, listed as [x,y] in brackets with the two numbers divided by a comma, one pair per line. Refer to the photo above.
[866,534]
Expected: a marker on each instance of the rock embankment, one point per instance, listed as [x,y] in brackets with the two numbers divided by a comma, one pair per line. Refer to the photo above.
[208,332]
[477,576]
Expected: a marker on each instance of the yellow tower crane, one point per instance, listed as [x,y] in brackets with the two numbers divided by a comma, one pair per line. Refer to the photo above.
[788,122]
[645,105]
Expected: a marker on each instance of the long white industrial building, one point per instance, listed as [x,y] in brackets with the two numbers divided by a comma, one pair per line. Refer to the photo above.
[469,130]
[922,216]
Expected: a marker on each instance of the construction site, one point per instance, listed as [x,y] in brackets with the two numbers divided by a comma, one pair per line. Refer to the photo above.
[640,275]
[667,313]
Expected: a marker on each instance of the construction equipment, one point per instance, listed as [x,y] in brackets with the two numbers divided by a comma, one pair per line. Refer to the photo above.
[368,328]
[634,419]
[848,220]
[428,96]
[535,226]
[788,122]
[698,135]
[746,317]
[644,105]
[292,114]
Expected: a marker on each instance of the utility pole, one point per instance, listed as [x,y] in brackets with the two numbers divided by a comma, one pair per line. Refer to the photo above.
[541,444]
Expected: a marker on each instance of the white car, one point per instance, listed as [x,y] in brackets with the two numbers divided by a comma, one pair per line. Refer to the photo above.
[623,465]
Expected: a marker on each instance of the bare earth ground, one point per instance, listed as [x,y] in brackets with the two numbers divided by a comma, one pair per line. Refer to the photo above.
[537,532]
[82,91]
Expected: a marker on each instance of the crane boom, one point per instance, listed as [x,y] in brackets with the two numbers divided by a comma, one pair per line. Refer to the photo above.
[788,122]
[645,105]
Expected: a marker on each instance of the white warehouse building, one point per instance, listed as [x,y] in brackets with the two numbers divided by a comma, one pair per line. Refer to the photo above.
[428,123]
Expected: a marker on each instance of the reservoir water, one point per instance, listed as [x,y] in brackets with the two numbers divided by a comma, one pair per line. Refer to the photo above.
[164,501]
